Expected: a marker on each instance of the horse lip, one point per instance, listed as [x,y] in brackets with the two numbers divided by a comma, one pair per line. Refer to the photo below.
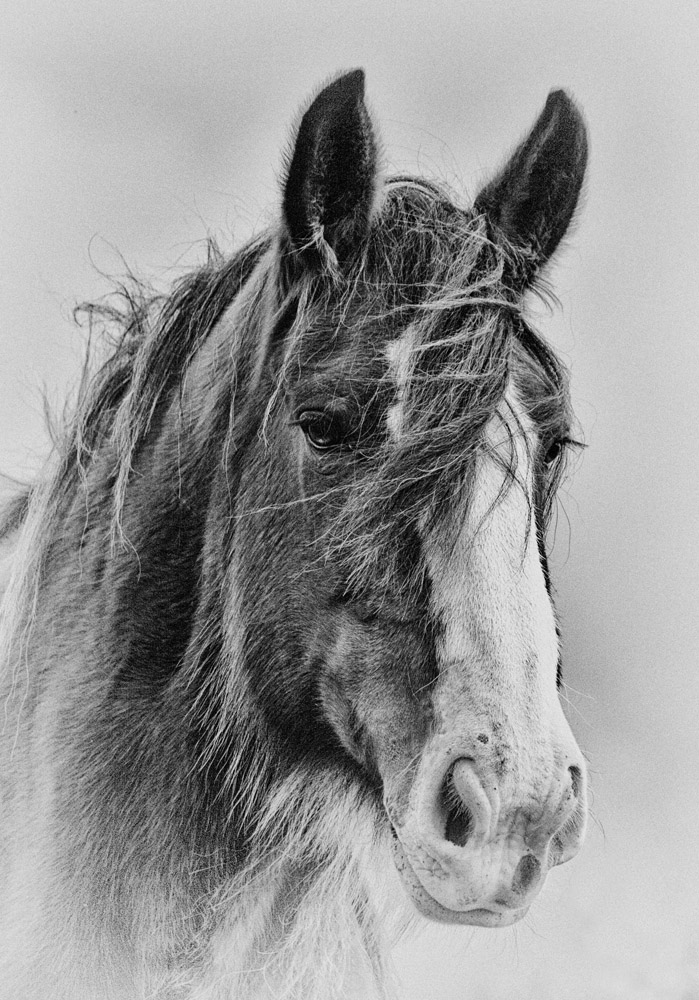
[477,917]
[429,907]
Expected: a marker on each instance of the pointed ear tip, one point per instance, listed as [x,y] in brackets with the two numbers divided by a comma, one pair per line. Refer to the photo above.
[350,83]
[357,76]
[561,102]
[563,117]
[559,95]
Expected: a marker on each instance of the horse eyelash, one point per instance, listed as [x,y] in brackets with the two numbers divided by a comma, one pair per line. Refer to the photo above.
[569,442]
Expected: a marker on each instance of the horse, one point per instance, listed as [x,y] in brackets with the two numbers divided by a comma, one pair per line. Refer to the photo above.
[281,666]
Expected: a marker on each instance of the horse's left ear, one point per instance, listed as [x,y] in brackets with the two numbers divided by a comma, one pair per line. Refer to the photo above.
[532,200]
[331,181]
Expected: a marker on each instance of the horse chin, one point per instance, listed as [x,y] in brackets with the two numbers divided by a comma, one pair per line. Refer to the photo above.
[427,906]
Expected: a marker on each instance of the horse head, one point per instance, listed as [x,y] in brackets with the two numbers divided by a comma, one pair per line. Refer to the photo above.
[394,506]
[283,596]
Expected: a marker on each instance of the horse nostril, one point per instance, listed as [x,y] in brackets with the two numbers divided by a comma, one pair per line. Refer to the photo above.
[459,820]
[575,779]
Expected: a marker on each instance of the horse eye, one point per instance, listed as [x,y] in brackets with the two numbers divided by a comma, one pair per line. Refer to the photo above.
[554,451]
[323,430]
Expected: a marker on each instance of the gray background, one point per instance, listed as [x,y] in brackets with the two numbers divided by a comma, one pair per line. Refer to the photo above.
[131,129]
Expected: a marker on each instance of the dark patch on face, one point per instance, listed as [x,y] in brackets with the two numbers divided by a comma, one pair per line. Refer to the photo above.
[527,872]
[482,738]
[501,766]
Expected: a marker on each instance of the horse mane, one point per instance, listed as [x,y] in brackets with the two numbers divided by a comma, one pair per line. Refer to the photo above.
[148,339]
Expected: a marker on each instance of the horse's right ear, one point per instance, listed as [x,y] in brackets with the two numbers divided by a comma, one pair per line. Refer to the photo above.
[533,198]
[331,180]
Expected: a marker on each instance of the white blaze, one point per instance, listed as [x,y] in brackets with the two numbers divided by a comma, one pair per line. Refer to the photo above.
[499,648]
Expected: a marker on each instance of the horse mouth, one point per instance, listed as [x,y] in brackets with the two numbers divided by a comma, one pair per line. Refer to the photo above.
[432,909]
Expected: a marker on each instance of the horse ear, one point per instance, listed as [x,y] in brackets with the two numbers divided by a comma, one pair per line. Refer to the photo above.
[532,200]
[331,180]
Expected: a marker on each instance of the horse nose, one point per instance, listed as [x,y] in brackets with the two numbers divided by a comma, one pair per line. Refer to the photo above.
[527,839]
[473,809]
[475,839]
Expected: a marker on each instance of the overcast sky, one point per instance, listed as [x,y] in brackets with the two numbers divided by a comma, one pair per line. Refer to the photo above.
[131,130]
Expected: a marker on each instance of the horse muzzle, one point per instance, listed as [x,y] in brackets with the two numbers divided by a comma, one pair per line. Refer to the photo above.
[474,843]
